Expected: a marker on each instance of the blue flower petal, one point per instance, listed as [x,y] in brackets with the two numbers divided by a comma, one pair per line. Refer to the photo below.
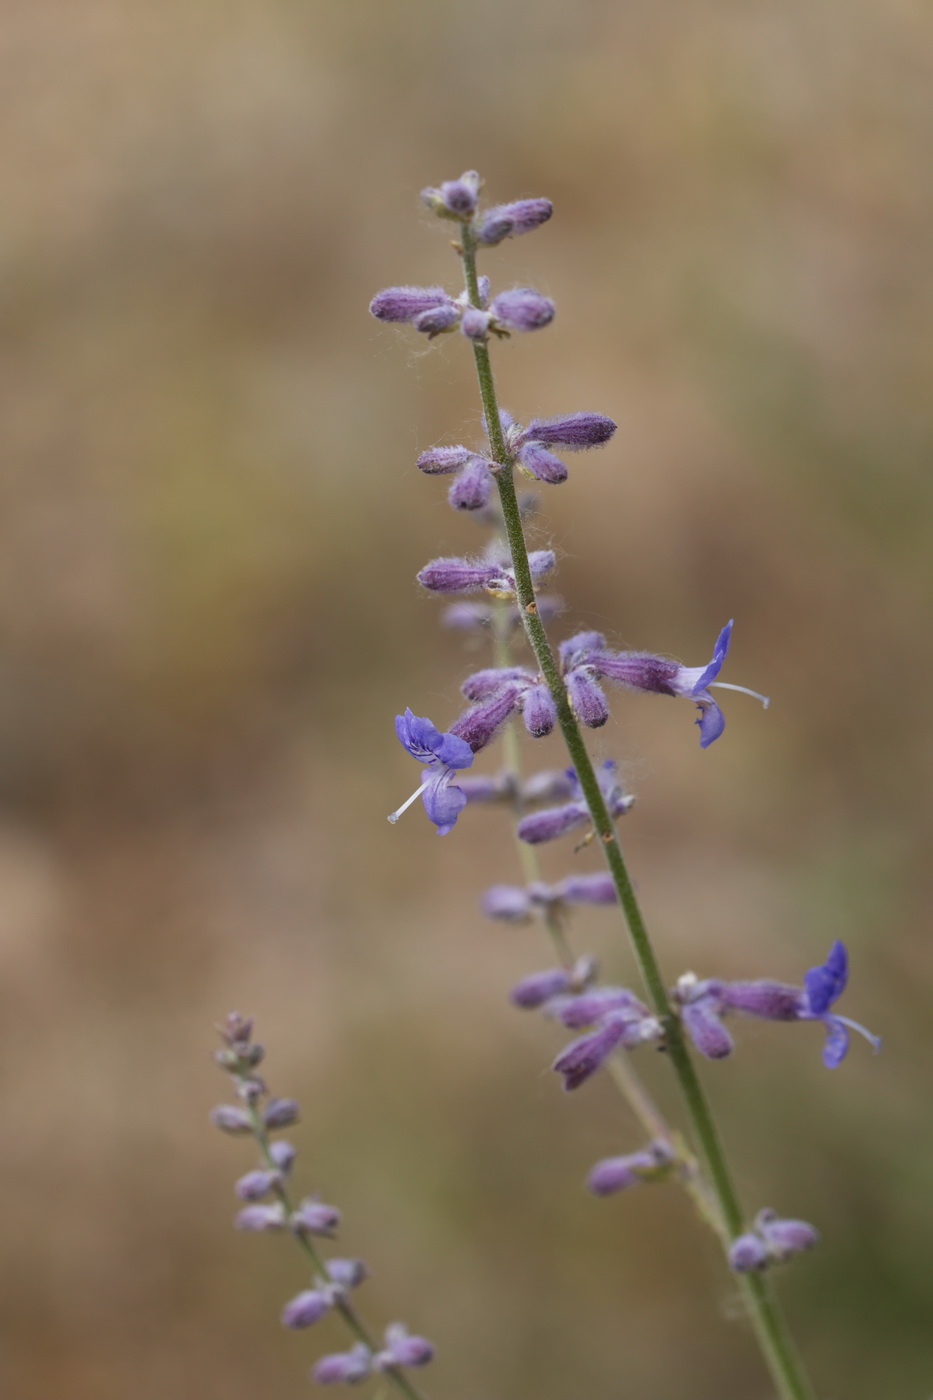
[453,751]
[443,803]
[837,1042]
[720,651]
[712,721]
[417,734]
[826,984]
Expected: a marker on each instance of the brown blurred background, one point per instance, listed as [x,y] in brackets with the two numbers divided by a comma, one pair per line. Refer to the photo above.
[211,523]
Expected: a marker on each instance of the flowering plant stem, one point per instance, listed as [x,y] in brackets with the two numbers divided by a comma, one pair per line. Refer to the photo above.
[769,1325]
[343,1305]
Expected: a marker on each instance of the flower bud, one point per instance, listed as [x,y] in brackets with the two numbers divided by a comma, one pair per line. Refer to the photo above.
[437,319]
[283,1155]
[230,1119]
[261,1218]
[552,822]
[785,1237]
[280,1113]
[305,1308]
[597,888]
[540,987]
[456,199]
[705,1029]
[315,1218]
[455,575]
[472,486]
[575,431]
[775,1001]
[475,323]
[523,309]
[748,1253]
[539,711]
[344,1367]
[254,1185]
[507,902]
[587,699]
[403,1349]
[405,303]
[236,1030]
[480,725]
[439,461]
[348,1273]
[583,1057]
[509,220]
[538,462]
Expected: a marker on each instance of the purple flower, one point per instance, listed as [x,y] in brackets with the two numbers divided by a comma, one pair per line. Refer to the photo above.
[701,1005]
[509,220]
[555,821]
[344,1367]
[612,1174]
[280,1113]
[531,446]
[748,1253]
[231,1119]
[313,1217]
[522,309]
[403,1349]
[590,1007]
[254,1185]
[408,303]
[442,755]
[495,573]
[785,1237]
[306,1308]
[261,1218]
[456,199]
[644,671]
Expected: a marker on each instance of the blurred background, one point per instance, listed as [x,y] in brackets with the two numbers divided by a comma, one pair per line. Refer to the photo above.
[211,522]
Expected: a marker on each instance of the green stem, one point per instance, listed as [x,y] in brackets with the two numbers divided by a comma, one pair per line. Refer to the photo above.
[769,1325]
[346,1309]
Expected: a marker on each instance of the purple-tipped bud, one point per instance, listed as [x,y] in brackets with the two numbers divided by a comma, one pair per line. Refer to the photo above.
[306,1308]
[437,320]
[484,684]
[775,1001]
[440,461]
[456,199]
[539,711]
[344,1367]
[616,1173]
[575,650]
[405,303]
[348,1273]
[475,323]
[472,487]
[705,1029]
[587,700]
[251,1089]
[283,1155]
[507,902]
[597,888]
[583,1057]
[403,1349]
[261,1218]
[455,575]
[537,461]
[480,725]
[785,1237]
[254,1185]
[535,990]
[315,1218]
[509,220]
[639,670]
[236,1030]
[230,1119]
[590,1007]
[748,1253]
[541,561]
[552,822]
[280,1113]
[576,431]
[523,309]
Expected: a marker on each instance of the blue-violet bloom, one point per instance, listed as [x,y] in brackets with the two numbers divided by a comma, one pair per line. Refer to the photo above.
[442,755]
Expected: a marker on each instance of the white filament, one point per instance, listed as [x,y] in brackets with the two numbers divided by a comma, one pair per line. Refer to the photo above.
[725,685]
[394,816]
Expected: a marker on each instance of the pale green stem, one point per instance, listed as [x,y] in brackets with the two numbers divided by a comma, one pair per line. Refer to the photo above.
[345,1308]
[769,1325]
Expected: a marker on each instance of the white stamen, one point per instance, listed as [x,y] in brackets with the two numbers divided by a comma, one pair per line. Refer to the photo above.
[725,685]
[394,816]
[873,1040]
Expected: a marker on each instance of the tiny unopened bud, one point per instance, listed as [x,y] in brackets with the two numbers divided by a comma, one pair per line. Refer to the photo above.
[403,1349]
[785,1237]
[539,711]
[315,1218]
[256,1184]
[283,1155]
[348,1273]
[508,902]
[523,309]
[344,1367]
[251,1088]
[280,1113]
[437,319]
[439,461]
[475,323]
[472,487]
[305,1308]
[540,987]
[587,699]
[537,461]
[480,724]
[231,1119]
[261,1218]
[510,220]
[405,303]
[576,431]
[748,1253]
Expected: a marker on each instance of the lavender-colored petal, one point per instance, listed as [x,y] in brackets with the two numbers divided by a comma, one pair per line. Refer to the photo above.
[539,987]
[705,1029]
[437,320]
[827,983]
[552,822]
[541,562]
[256,1184]
[720,651]
[344,1367]
[405,303]
[639,670]
[440,461]
[231,1119]
[418,735]
[837,1042]
[483,684]
[522,309]
[510,220]
[508,902]
[774,1001]
[305,1308]
[260,1218]
[574,651]
[443,801]
[712,721]
[472,486]
[280,1113]
[539,711]
[455,576]
[283,1155]
[590,1007]
[583,1057]
[587,700]
[575,431]
[538,462]
[597,888]
[348,1273]
[315,1218]
[452,751]
[748,1253]
[480,725]
[475,323]
[785,1237]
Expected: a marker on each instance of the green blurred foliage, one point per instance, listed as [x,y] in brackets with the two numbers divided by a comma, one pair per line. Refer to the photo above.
[211,522]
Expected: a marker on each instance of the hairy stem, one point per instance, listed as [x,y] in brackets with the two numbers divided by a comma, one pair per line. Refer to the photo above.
[346,1309]
[770,1328]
